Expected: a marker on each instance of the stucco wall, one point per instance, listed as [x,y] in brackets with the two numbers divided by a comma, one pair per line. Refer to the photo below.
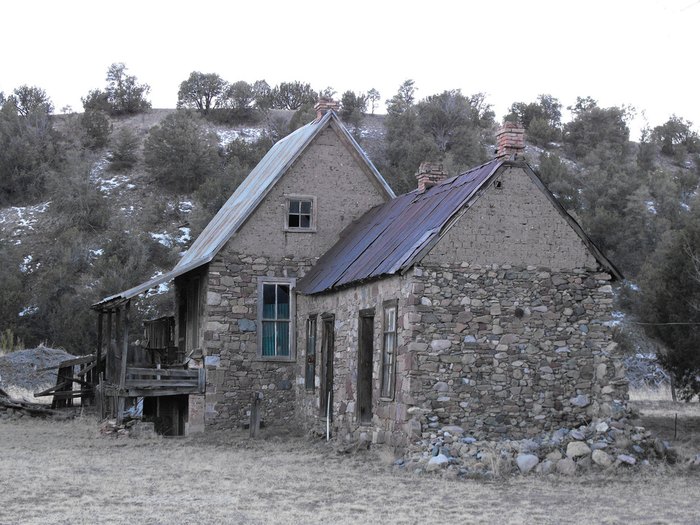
[514,224]
[328,170]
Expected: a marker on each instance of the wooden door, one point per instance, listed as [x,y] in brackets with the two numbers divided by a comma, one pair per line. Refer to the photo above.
[327,344]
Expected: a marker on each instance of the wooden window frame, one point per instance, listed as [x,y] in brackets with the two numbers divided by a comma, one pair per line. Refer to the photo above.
[310,360]
[291,282]
[387,393]
[301,198]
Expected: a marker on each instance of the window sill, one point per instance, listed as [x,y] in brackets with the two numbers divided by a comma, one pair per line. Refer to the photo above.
[299,230]
[386,399]
[273,359]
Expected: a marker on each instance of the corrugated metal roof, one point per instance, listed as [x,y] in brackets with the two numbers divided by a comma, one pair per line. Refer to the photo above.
[248,196]
[257,184]
[392,236]
[389,237]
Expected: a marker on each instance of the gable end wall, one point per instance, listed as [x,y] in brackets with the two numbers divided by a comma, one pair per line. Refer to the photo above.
[516,224]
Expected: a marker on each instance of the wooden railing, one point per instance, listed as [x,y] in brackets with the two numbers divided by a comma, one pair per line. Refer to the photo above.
[164,381]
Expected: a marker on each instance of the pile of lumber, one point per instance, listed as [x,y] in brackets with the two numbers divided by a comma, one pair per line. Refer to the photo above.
[12,408]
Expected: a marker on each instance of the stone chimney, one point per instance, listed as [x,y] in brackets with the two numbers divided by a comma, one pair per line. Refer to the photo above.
[510,141]
[324,104]
[429,174]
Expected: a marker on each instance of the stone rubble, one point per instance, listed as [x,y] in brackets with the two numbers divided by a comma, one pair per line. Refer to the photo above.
[599,445]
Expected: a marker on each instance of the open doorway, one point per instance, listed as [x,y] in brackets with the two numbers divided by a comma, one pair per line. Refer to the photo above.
[365,358]
[327,347]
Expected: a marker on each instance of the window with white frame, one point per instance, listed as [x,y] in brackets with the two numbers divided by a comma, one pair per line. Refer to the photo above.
[389,348]
[276,318]
[301,213]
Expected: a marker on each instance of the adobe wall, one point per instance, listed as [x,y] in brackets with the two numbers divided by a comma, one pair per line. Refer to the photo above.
[389,415]
[327,170]
[513,350]
[514,224]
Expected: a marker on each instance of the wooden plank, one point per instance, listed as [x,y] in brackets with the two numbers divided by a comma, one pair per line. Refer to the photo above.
[98,350]
[162,372]
[77,361]
[87,369]
[49,391]
[159,383]
[202,380]
[108,370]
[144,392]
[122,369]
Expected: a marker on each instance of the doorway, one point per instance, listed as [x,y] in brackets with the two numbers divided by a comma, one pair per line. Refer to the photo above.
[365,358]
[327,344]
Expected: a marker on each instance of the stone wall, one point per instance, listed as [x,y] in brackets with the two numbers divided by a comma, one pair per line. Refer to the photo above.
[505,350]
[234,370]
[389,415]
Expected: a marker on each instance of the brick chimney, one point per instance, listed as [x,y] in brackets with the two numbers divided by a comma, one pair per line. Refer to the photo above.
[429,174]
[324,104]
[510,141]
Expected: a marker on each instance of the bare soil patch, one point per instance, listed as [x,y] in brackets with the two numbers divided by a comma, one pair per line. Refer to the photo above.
[64,472]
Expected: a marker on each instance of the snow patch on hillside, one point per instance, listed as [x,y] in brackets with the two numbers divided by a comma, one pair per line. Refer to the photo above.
[226,136]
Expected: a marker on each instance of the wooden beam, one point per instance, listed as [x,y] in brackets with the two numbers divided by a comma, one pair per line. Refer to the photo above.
[160,383]
[98,350]
[108,371]
[125,352]
[163,372]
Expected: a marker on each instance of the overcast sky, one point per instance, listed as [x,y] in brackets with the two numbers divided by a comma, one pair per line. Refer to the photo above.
[638,52]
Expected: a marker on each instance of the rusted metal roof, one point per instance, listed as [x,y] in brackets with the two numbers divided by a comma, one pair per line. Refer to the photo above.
[388,237]
[248,196]
[392,236]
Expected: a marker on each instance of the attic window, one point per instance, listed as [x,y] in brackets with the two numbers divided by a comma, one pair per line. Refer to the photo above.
[301,213]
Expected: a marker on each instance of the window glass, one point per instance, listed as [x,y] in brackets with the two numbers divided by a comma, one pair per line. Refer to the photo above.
[300,213]
[389,351]
[276,323]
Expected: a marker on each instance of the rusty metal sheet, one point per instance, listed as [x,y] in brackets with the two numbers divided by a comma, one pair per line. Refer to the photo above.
[385,240]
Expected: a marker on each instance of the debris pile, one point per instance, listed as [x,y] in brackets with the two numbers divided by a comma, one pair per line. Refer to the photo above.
[602,444]
[128,428]
[17,408]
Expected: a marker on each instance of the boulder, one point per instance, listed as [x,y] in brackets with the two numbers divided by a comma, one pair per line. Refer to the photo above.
[577,449]
[526,462]
[566,466]
[602,459]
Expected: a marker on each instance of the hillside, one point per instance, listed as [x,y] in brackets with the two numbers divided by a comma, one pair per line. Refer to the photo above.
[59,269]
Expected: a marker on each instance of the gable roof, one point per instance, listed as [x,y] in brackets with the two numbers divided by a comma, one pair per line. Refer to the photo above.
[249,194]
[393,236]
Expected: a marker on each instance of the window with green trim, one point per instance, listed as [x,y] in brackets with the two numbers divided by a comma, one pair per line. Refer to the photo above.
[275,312]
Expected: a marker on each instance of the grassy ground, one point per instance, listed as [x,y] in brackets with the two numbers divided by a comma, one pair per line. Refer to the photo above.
[63,472]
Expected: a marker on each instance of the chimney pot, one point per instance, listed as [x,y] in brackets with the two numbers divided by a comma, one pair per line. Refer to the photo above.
[325,104]
[510,141]
[430,174]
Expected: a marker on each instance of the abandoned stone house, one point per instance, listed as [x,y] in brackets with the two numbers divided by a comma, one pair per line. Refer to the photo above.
[474,300]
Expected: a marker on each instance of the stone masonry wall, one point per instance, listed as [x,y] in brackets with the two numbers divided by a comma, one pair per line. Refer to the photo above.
[511,350]
[234,370]
[389,416]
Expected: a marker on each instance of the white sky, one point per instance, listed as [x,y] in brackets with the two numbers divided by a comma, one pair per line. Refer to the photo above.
[638,52]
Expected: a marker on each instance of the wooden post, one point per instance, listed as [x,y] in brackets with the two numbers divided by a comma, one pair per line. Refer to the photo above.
[109,355]
[122,369]
[255,414]
[98,352]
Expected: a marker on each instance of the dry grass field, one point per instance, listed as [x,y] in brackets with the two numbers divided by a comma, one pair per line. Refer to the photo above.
[64,472]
